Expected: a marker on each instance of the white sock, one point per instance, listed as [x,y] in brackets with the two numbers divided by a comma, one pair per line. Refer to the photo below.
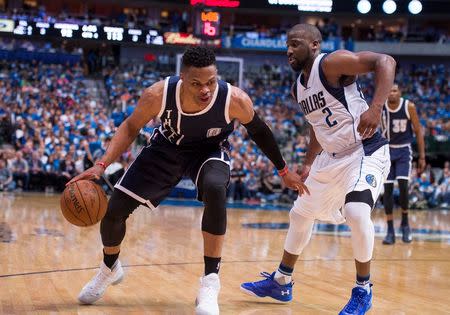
[281,278]
[365,286]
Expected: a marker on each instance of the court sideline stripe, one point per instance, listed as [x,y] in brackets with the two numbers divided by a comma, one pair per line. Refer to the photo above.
[200,263]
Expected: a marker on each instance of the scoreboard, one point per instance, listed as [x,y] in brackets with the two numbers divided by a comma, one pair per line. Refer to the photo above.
[207,31]
[207,24]
[84,31]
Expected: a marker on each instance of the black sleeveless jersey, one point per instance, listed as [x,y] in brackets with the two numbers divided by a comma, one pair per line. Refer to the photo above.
[206,128]
[396,124]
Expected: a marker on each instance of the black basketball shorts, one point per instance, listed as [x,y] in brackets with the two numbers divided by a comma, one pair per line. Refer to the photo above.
[161,165]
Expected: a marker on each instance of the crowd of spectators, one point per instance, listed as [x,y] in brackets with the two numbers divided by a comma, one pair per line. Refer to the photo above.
[429,88]
[429,189]
[13,44]
[53,126]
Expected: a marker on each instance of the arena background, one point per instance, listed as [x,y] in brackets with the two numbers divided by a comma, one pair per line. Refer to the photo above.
[114,49]
[72,71]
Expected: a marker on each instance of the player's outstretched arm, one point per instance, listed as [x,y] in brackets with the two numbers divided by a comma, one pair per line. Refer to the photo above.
[343,63]
[241,108]
[148,108]
[418,130]
[314,149]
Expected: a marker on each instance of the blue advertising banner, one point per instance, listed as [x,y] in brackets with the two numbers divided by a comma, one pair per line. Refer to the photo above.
[272,44]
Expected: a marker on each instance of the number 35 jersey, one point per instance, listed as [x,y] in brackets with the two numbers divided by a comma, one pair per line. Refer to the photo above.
[396,124]
[334,112]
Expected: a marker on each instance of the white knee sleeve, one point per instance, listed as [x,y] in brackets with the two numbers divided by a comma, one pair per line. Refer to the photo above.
[358,218]
[299,233]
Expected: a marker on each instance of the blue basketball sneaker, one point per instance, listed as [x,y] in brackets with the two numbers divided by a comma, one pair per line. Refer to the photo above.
[269,287]
[359,303]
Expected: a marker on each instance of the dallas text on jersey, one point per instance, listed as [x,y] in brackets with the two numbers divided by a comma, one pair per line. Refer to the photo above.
[313,102]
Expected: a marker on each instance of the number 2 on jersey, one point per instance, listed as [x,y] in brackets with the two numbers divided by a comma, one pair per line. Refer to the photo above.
[326,110]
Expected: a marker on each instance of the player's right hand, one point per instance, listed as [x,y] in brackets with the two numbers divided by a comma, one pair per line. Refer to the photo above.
[293,181]
[93,173]
[369,121]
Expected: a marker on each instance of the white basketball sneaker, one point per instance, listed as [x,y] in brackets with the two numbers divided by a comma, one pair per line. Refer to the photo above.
[207,295]
[95,288]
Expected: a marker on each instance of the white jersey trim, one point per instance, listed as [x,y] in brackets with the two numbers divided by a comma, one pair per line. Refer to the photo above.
[407,109]
[164,98]
[227,104]
[396,109]
[221,159]
[136,197]
[206,109]
[129,192]
[395,146]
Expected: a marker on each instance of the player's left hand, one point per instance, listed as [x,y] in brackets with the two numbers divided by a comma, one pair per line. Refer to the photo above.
[293,181]
[369,121]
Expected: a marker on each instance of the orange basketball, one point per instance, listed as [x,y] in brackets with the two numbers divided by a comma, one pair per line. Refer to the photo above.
[83,203]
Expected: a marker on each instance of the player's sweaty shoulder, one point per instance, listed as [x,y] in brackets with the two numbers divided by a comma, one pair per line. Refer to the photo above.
[241,106]
[154,92]
[152,97]
[239,97]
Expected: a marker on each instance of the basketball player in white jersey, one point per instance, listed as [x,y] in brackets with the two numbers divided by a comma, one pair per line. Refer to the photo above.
[347,159]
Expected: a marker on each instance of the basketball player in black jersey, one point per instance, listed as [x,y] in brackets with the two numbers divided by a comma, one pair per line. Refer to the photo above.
[197,113]
[399,121]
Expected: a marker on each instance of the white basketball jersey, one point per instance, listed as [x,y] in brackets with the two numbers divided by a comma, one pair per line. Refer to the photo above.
[334,113]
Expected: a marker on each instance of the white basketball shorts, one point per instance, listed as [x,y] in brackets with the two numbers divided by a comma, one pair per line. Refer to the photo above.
[332,178]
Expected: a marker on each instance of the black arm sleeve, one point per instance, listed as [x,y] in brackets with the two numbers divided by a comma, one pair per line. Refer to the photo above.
[263,137]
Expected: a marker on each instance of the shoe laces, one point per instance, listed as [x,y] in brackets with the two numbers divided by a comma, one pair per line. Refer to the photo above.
[100,280]
[356,299]
[267,275]
[270,279]
[208,290]
[209,285]
[207,294]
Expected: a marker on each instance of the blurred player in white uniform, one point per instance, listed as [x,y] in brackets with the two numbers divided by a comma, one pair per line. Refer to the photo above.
[347,159]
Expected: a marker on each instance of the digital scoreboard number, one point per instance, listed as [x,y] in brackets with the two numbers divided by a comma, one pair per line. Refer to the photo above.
[83,31]
[208,24]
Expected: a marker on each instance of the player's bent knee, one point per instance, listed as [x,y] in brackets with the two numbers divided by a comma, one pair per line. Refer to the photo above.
[299,233]
[215,215]
[112,226]
[213,183]
[358,218]
[299,222]
[357,215]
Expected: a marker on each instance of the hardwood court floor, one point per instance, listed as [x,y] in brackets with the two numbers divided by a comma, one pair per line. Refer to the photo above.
[45,261]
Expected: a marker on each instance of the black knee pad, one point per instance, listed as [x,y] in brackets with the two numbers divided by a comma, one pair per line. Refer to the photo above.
[364,196]
[388,198]
[112,226]
[213,182]
[403,187]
